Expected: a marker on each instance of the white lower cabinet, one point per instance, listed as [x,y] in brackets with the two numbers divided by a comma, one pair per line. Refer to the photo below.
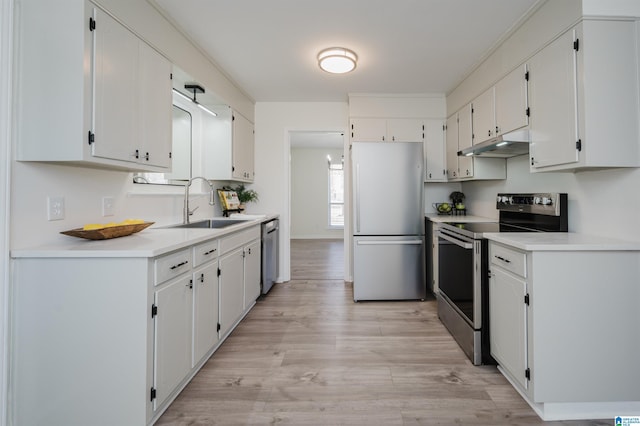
[205,310]
[553,326]
[231,288]
[136,329]
[239,276]
[508,319]
[252,271]
[172,349]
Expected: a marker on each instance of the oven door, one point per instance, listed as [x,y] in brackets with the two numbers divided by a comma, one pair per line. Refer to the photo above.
[459,275]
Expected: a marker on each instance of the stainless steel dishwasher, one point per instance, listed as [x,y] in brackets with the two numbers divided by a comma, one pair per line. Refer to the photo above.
[269,254]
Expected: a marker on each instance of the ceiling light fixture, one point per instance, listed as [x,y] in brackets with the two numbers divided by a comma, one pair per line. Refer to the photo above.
[195,88]
[337,60]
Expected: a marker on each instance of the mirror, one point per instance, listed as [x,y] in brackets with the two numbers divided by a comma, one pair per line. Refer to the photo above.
[191,126]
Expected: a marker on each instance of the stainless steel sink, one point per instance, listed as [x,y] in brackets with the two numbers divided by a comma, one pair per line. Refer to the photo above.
[209,223]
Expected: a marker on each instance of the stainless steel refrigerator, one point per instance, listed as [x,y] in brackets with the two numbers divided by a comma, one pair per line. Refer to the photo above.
[388,221]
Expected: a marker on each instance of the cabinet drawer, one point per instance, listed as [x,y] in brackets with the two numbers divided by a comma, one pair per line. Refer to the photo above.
[239,239]
[509,259]
[205,252]
[171,265]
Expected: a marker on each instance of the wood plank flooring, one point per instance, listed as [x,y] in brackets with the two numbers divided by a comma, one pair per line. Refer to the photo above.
[308,355]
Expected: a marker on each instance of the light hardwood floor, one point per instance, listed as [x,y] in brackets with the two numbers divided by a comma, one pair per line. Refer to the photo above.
[308,355]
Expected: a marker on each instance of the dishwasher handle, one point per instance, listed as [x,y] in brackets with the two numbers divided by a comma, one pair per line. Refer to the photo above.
[453,240]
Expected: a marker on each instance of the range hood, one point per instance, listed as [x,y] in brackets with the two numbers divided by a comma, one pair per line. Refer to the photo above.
[504,146]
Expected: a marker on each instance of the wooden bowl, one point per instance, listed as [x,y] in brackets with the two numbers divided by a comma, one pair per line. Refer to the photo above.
[108,232]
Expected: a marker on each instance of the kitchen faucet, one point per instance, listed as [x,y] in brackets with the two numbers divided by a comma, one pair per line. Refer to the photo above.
[188,212]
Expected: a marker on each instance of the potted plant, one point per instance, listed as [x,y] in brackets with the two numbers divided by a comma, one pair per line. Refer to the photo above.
[245,195]
[457,198]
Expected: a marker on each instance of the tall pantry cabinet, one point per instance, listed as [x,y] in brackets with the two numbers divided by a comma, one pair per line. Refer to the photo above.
[101,96]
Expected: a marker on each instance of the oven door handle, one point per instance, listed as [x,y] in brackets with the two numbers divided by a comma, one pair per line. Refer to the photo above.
[459,243]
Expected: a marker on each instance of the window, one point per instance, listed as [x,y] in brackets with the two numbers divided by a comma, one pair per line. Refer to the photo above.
[336,194]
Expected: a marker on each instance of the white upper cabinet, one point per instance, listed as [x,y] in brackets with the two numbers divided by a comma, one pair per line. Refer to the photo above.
[386,130]
[155,104]
[243,148]
[583,98]
[465,140]
[368,129]
[405,130]
[434,151]
[511,101]
[484,116]
[115,75]
[228,147]
[100,95]
[501,108]
[459,136]
[452,147]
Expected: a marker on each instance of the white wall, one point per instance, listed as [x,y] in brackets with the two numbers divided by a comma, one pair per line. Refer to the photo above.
[604,202]
[310,193]
[274,121]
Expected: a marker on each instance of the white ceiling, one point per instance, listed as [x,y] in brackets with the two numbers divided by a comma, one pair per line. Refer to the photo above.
[269,48]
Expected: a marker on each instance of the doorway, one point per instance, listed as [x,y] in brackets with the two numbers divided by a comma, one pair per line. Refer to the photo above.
[317,196]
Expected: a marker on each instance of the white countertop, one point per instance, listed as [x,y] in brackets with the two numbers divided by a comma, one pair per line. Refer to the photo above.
[560,241]
[149,242]
[434,217]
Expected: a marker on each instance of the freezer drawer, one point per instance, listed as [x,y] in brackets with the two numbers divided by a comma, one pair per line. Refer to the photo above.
[388,268]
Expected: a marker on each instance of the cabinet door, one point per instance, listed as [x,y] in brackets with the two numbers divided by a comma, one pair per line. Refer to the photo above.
[434,151]
[243,148]
[173,325]
[552,100]
[484,118]
[116,90]
[251,273]
[405,130]
[452,147]
[368,129]
[231,288]
[508,323]
[511,101]
[155,108]
[465,137]
[205,310]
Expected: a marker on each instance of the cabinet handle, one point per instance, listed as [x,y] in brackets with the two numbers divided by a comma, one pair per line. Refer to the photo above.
[209,252]
[137,154]
[202,278]
[146,157]
[179,264]
[190,285]
[488,132]
[502,258]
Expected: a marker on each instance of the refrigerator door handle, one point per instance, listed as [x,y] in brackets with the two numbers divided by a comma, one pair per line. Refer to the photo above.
[358,198]
[389,242]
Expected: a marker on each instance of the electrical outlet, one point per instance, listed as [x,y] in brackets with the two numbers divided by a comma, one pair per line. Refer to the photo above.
[55,208]
[108,206]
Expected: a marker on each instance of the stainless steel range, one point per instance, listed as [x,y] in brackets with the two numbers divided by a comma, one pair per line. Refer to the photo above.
[463,264]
